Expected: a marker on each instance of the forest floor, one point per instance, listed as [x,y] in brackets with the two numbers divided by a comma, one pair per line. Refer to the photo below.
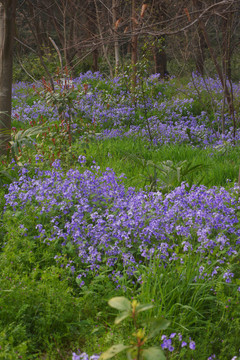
[109,192]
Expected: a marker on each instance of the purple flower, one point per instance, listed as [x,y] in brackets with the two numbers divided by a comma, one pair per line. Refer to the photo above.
[227,276]
[192,345]
[56,164]
[24,171]
[167,344]
[84,356]
[82,159]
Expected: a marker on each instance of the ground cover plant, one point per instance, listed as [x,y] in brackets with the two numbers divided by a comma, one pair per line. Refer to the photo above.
[109,194]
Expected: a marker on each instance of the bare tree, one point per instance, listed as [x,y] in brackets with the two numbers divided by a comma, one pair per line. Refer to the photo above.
[115,35]
[134,42]
[7,21]
[108,27]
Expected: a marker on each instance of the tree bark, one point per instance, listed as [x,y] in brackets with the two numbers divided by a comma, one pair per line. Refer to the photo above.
[115,36]
[92,32]
[7,22]
[159,13]
[39,45]
[199,57]
[160,59]
[226,45]
[102,40]
[228,93]
[134,43]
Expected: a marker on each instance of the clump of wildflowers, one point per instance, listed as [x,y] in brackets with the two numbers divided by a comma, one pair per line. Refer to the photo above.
[168,342]
[84,356]
[106,222]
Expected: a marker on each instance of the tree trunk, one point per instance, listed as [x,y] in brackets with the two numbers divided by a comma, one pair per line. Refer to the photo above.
[160,59]
[199,57]
[226,45]
[134,43]
[95,60]
[228,93]
[7,21]
[33,25]
[92,32]
[159,14]
[104,48]
[115,36]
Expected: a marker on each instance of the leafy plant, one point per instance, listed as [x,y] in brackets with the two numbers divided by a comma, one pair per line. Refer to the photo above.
[24,138]
[62,97]
[172,175]
[168,175]
[5,177]
[136,350]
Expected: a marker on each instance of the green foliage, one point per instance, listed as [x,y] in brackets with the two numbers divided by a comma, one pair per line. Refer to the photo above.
[5,177]
[136,350]
[31,65]
[167,175]
[44,313]
[219,166]
[193,303]
[38,309]
[24,138]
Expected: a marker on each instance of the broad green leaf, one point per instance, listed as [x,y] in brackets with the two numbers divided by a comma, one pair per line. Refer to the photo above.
[6,174]
[132,353]
[120,303]
[112,351]
[143,307]
[129,357]
[123,315]
[153,353]
[156,326]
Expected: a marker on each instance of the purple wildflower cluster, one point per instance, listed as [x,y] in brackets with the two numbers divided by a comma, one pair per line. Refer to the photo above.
[109,224]
[167,342]
[84,356]
[112,109]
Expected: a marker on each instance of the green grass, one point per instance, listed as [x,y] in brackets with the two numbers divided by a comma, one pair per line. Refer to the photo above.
[125,155]
[44,313]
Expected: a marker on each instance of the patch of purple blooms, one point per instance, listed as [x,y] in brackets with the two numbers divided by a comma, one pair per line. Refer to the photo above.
[109,224]
[167,342]
[84,356]
[112,109]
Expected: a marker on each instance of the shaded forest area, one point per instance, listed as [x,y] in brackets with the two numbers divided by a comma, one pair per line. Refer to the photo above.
[177,37]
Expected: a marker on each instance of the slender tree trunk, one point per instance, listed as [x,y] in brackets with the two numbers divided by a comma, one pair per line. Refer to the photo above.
[92,32]
[102,40]
[115,36]
[39,45]
[134,43]
[227,92]
[199,57]
[95,60]
[160,59]
[226,45]
[65,49]
[7,21]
